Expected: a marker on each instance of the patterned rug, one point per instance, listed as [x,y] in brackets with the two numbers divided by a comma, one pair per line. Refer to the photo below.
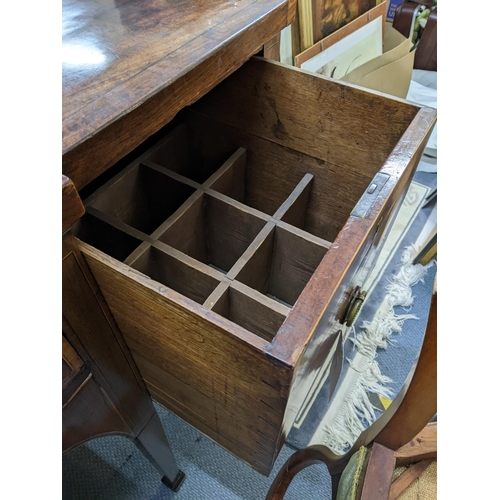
[381,346]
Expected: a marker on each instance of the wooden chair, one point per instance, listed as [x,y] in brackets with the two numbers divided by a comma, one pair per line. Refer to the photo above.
[401,436]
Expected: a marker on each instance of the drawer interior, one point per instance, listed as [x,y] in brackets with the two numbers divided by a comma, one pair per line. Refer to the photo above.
[226,212]
[208,234]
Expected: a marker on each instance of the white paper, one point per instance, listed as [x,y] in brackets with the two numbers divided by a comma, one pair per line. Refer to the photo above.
[425,93]
[352,51]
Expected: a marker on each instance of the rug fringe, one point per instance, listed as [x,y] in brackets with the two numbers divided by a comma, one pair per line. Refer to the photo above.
[356,411]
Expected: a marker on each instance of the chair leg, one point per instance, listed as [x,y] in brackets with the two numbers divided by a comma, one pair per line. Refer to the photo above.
[335,484]
[316,454]
[281,482]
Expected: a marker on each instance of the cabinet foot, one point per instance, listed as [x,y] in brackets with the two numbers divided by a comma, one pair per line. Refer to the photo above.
[176,484]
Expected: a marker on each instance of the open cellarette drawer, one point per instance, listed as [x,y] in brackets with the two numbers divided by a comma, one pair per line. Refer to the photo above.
[231,249]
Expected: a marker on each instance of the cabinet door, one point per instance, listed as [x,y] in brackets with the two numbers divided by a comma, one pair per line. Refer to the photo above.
[93,345]
[74,372]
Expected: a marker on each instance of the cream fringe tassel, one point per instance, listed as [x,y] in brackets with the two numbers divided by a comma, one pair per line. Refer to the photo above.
[342,433]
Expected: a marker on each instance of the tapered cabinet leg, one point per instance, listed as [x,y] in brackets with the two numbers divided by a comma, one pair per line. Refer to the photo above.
[153,443]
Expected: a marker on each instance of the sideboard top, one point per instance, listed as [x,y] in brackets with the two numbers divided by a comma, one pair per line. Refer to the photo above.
[119,54]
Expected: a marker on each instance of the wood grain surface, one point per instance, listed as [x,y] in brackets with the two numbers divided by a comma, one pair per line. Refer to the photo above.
[422,447]
[129,67]
[379,472]
[209,371]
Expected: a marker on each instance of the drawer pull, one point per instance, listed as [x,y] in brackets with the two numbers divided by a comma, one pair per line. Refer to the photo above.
[351,306]
[355,307]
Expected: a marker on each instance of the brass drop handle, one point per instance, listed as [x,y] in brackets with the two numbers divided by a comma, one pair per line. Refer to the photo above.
[351,306]
[354,308]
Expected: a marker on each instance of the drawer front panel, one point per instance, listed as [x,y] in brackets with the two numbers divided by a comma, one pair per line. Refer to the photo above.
[349,269]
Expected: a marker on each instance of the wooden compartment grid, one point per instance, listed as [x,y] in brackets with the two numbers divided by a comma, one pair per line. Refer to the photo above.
[203,240]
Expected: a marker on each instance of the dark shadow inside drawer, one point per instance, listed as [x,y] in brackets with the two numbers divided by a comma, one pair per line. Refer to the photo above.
[105,237]
[177,151]
[175,274]
[142,197]
[212,231]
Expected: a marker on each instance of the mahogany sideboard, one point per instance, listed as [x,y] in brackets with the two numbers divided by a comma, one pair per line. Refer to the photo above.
[233,205]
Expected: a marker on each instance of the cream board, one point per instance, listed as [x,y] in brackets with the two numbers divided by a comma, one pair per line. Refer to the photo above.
[347,54]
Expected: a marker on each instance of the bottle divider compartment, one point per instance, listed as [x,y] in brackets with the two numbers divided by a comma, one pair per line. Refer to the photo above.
[229,180]
[142,198]
[175,274]
[248,309]
[202,240]
[294,210]
[174,152]
[212,231]
[281,265]
[105,237]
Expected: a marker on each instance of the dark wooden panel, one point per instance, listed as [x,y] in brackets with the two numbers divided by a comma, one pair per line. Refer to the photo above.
[294,210]
[251,310]
[143,198]
[379,473]
[90,414]
[230,178]
[94,326]
[421,447]
[72,206]
[166,269]
[274,171]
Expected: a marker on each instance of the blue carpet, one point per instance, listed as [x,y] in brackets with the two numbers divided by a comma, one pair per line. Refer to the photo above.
[112,468]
